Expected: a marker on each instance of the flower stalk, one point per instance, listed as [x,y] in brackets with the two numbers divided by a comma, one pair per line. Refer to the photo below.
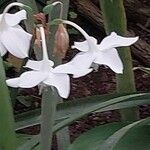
[77,27]
[63,136]
[48,107]
[115,20]
[61,8]
[12,5]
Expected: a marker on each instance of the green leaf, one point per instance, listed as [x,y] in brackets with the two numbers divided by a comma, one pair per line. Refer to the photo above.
[27,119]
[100,106]
[7,134]
[112,141]
[73,31]
[92,109]
[134,141]
[92,139]
[73,15]
[64,110]
[22,138]
[144,69]
[30,144]
[25,100]
[30,3]
[117,22]
[67,109]
[47,9]
[70,108]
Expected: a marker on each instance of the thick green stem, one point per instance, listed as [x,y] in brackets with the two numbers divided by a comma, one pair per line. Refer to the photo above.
[63,137]
[115,20]
[7,132]
[49,102]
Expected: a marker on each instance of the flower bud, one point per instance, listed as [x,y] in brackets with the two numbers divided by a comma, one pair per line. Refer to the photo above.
[61,41]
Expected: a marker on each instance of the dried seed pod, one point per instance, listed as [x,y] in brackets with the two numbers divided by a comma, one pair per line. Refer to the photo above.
[40,18]
[61,41]
[37,38]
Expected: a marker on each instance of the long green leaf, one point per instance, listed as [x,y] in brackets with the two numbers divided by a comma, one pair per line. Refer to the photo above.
[7,133]
[67,109]
[92,139]
[23,138]
[92,109]
[99,106]
[110,143]
[115,20]
[144,69]
[30,144]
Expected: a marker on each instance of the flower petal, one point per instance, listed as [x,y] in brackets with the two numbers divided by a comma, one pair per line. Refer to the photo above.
[81,73]
[78,66]
[17,41]
[114,40]
[61,82]
[13,82]
[14,19]
[35,65]
[38,65]
[3,50]
[31,78]
[84,46]
[111,59]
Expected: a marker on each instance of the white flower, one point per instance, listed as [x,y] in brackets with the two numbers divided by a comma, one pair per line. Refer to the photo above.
[104,53]
[12,37]
[43,73]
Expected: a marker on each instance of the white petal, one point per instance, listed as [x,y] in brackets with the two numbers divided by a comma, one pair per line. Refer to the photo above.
[1,16]
[35,65]
[31,78]
[114,40]
[84,46]
[3,50]
[13,82]
[38,65]
[78,66]
[61,82]
[14,19]
[81,73]
[111,59]
[17,41]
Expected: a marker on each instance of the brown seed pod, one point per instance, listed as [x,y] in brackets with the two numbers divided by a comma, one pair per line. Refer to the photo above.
[61,41]
[38,38]
[40,18]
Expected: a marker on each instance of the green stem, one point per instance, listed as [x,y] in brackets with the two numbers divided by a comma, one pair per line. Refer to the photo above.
[49,101]
[115,20]
[63,136]
[7,133]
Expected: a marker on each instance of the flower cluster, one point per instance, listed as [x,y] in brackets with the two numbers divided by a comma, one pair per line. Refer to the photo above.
[17,41]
